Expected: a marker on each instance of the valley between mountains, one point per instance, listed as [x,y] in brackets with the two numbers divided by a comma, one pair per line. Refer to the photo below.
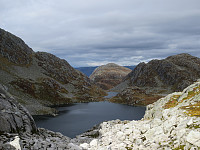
[31,83]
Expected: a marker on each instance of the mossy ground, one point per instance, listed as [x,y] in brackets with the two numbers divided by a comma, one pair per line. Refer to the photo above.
[181,147]
[191,110]
[172,102]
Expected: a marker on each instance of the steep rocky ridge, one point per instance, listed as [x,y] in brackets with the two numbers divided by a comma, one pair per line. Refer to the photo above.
[39,80]
[158,78]
[108,76]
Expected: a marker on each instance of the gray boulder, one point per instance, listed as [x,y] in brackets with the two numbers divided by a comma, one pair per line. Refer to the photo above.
[14,118]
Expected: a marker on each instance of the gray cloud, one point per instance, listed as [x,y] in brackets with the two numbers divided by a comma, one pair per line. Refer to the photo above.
[95,32]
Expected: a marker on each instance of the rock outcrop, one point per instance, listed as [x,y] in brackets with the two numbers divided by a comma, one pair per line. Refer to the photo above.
[39,79]
[108,76]
[158,78]
[173,122]
[14,118]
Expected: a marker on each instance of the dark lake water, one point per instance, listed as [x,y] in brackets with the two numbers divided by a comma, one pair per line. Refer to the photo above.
[111,94]
[78,118]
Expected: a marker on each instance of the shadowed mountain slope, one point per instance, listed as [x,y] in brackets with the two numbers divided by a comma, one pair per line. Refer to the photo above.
[38,80]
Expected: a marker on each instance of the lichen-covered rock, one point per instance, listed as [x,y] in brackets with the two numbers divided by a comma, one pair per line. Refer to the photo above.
[108,76]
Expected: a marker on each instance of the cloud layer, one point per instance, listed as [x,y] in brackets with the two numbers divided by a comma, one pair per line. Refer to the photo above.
[96,32]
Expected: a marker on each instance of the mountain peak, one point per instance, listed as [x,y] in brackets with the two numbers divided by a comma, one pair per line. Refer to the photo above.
[109,75]
[14,49]
[159,77]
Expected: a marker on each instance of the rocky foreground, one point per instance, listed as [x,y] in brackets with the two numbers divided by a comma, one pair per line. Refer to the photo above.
[173,122]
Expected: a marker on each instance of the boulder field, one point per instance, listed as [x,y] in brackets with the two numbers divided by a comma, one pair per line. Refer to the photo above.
[173,122]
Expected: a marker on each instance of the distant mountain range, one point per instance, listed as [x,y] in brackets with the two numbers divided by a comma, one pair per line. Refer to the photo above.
[89,70]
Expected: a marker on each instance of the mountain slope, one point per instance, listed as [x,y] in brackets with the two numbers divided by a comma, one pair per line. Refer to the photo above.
[38,80]
[88,70]
[158,78]
[108,76]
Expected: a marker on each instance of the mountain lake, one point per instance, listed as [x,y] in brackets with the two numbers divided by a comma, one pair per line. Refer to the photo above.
[74,119]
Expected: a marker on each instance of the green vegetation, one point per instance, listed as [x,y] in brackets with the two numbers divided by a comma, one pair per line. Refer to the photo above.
[172,102]
[181,147]
[193,126]
[192,93]
[192,110]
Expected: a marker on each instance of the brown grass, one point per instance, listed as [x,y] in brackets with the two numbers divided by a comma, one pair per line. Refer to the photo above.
[192,110]
[172,102]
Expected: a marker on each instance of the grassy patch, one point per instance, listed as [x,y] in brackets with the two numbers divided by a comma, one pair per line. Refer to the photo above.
[172,102]
[192,110]
[192,93]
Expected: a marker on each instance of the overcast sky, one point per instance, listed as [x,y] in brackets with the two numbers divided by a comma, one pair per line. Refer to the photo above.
[96,32]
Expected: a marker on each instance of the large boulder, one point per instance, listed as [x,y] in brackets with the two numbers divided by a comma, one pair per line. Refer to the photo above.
[14,118]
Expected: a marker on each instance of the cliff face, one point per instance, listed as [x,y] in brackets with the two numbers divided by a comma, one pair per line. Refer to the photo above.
[108,76]
[158,78]
[38,80]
